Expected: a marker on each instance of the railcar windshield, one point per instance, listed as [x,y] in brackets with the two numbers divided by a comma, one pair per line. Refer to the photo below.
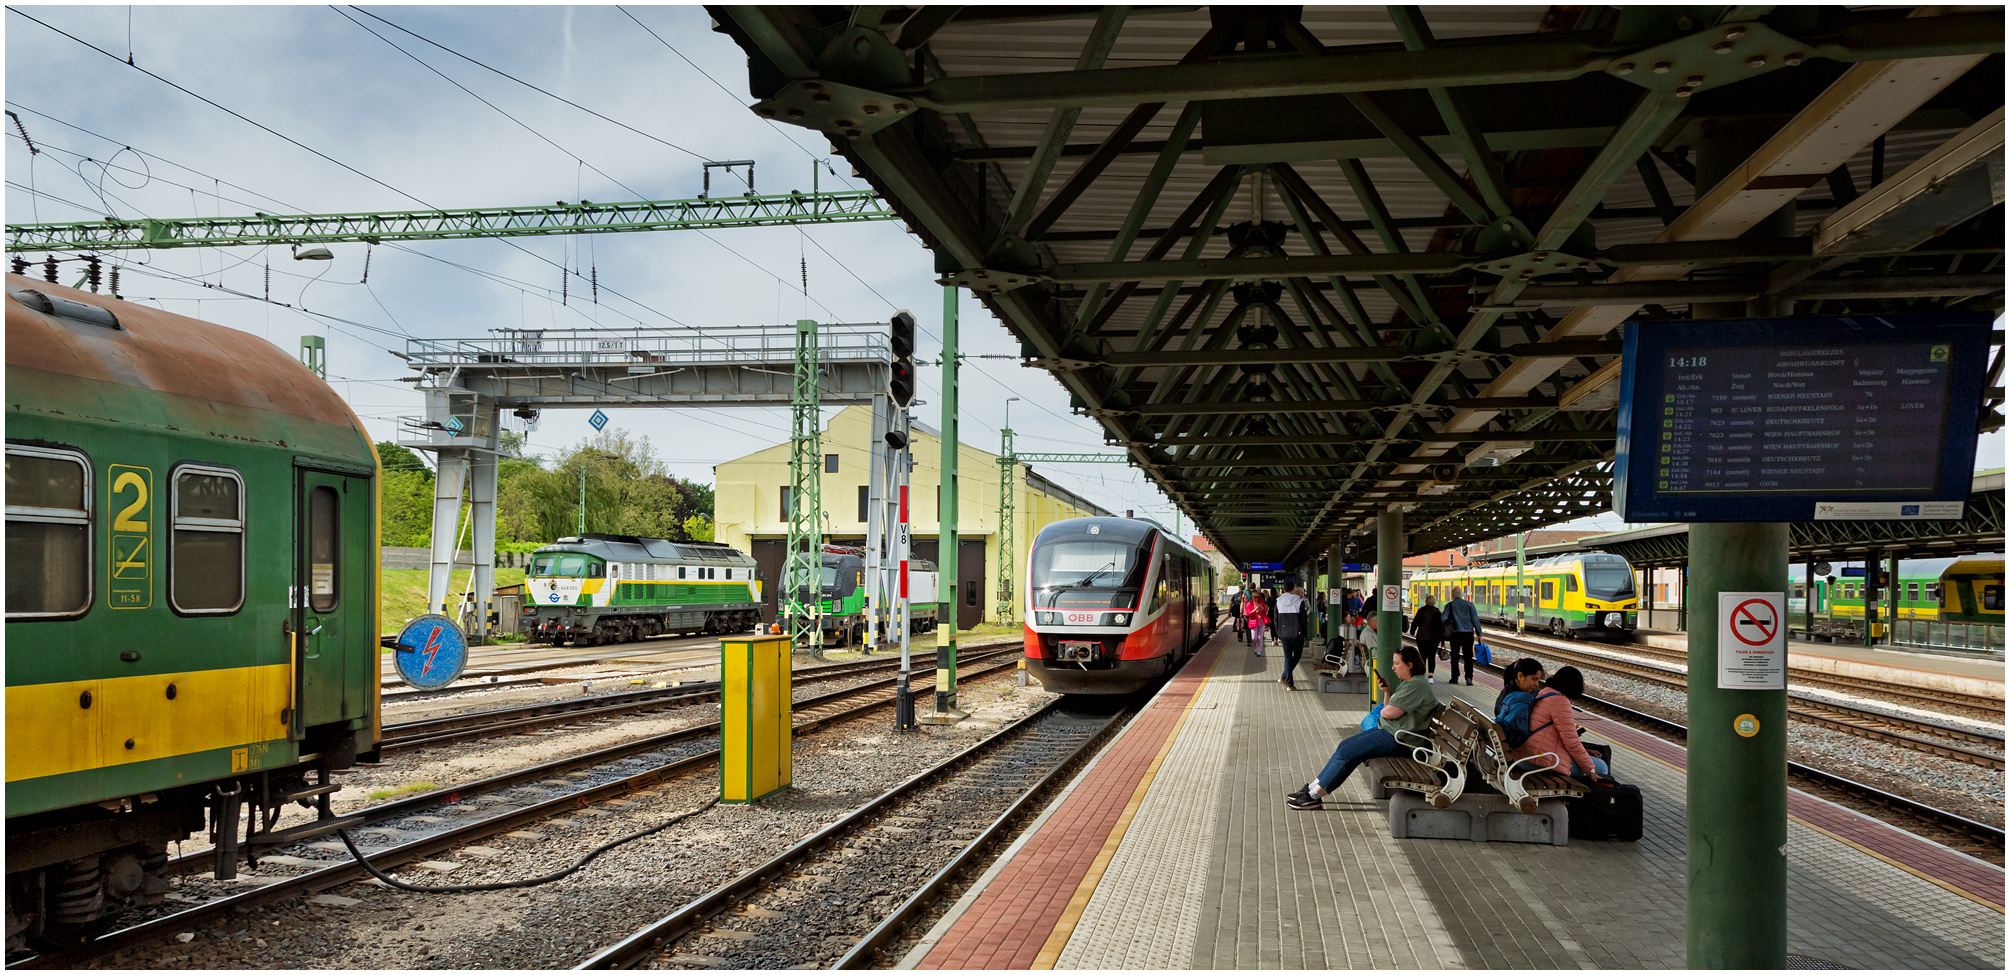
[827,576]
[1612,580]
[1089,564]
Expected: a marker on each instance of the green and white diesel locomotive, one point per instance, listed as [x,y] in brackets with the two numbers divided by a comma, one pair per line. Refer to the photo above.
[596,588]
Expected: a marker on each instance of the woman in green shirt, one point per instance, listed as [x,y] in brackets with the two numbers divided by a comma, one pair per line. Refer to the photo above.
[1407,709]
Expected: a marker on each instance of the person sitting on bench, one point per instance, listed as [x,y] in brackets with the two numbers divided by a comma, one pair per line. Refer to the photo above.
[1408,708]
[1553,729]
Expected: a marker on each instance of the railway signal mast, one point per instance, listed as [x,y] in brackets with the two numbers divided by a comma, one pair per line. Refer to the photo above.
[900,389]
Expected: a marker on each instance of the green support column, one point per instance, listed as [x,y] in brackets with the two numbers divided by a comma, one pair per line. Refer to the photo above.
[1334,569]
[1737,781]
[945,655]
[1388,572]
[1737,766]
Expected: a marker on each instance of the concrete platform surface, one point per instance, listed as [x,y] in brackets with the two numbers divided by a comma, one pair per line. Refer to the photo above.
[1174,850]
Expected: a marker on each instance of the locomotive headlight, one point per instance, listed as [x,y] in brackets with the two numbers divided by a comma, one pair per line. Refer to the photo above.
[1119,619]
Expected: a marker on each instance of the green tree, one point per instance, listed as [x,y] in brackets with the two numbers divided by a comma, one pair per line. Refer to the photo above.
[698,528]
[396,458]
[407,507]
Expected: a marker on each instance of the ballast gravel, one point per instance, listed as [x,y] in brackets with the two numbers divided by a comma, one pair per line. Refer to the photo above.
[557,925]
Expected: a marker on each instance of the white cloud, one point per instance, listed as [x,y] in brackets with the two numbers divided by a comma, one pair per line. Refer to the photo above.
[311,74]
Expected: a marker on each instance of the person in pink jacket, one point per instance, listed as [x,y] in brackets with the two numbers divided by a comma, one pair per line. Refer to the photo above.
[1554,728]
[1257,614]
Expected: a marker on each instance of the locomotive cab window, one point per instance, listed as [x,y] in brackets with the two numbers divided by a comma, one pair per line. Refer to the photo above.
[323,514]
[48,533]
[206,557]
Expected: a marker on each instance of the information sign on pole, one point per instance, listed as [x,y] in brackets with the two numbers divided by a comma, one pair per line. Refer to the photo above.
[1392,599]
[1752,641]
[1766,420]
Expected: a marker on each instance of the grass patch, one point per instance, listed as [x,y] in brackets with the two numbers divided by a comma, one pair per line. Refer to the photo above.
[405,592]
[403,790]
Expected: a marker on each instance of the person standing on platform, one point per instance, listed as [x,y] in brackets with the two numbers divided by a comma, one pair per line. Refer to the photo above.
[1294,623]
[1235,611]
[1257,613]
[1462,627]
[1428,626]
[1408,708]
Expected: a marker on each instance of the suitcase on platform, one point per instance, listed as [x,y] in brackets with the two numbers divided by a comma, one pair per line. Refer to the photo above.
[1607,812]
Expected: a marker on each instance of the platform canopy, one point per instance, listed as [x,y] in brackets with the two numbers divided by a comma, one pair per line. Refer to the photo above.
[1304,264]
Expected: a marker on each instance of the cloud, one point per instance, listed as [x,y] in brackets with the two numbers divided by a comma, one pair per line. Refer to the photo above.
[406,134]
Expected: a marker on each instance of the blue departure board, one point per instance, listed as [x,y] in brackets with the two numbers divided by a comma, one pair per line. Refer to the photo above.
[1799,419]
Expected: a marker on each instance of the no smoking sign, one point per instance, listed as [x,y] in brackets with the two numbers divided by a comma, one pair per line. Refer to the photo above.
[1752,641]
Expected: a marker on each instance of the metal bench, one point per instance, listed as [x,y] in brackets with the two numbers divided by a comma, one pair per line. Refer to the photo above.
[1347,670]
[1494,760]
[1438,763]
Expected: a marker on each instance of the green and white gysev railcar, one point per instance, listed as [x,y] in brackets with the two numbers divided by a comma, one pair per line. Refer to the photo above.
[597,588]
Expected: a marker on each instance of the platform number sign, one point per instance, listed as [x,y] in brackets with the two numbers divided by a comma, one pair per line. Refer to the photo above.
[1751,641]
[598,420]
[130,554]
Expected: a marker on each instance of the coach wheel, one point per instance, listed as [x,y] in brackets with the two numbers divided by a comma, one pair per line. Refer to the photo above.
[1556,627]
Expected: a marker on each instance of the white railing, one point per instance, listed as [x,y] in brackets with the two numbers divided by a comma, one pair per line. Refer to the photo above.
[1948,636]
[747,344]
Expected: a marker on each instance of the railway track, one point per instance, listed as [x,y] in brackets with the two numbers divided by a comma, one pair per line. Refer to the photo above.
[1983,841]
[1908,733]
[412,735]
[891,843]
[1801,675]
[614,773]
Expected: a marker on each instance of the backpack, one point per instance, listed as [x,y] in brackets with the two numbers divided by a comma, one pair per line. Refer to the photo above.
[1514,714]
[1290,626]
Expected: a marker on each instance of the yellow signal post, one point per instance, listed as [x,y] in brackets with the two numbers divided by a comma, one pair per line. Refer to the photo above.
[755,755]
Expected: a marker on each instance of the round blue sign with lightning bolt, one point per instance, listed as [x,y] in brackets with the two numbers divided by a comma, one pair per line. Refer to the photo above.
[431,652]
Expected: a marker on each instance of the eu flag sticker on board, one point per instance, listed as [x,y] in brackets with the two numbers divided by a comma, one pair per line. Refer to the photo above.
[598,419]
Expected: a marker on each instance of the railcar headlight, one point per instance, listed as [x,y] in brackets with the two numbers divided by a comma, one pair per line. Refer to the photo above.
[1050,617]
[1119,619]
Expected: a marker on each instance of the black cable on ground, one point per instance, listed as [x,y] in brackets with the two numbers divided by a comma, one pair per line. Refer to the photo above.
[513,884]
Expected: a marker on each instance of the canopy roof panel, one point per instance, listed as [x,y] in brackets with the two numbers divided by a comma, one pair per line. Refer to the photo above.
[1304,264]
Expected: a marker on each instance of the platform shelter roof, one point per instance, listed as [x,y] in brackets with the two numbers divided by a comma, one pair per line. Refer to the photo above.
[1306,263]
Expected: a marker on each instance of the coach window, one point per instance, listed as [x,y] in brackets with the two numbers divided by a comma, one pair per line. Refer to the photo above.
[1548,591]
[322,531]
[48,533]
[1912,592]
[206,561]
[1992,598]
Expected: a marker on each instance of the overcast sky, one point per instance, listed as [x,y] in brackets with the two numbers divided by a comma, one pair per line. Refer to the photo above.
[373,127]
[402,137]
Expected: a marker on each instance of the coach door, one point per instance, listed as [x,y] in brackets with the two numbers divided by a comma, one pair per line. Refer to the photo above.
[331,592]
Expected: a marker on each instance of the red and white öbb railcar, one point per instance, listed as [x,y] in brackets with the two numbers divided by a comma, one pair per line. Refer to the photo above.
[1112,604]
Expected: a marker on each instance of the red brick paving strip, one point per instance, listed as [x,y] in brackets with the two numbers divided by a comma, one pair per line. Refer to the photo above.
[1912,853]
[1012,919]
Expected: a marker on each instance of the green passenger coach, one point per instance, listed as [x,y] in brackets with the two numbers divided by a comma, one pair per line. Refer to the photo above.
[192,601]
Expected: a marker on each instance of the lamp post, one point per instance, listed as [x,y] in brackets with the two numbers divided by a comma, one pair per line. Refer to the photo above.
[584,456]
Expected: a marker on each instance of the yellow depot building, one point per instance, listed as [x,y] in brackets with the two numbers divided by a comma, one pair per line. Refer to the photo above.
[750,503]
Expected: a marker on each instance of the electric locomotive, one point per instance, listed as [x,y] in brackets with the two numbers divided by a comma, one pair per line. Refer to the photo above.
[597,588]
[1590,594]
[1112,604]
[192,601]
